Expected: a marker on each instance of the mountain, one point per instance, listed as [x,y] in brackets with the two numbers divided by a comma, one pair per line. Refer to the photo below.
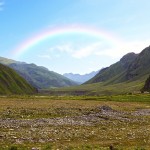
[140,66]
[39,77]
[80,78]
[12,83]
[130,67]
[116,72]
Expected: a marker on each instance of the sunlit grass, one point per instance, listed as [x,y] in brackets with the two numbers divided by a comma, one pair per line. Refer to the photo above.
[121,134]
[99,89]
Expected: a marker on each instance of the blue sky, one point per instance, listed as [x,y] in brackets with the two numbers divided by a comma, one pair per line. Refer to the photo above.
[125,21]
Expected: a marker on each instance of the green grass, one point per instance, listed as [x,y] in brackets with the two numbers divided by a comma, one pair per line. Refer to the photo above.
[12,83]
[123,135]
[98,89]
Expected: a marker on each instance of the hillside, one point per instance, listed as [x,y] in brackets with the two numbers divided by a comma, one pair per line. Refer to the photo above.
[130,67]
[116,72]
[80,78]
[39,77]
[12,83]
[140,66]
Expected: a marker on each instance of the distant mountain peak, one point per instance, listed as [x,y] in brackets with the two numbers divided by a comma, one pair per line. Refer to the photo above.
[128,56]
[127,59]
[80,78]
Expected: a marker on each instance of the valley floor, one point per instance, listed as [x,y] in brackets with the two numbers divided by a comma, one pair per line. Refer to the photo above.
[75,123]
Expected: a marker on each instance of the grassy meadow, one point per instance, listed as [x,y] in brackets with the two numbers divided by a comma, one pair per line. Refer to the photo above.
[119,122]
[99,89]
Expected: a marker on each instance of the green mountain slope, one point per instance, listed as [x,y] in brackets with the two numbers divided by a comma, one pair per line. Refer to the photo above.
[12,83]
[39,77]
[116,72]
[140,66]
[130,68]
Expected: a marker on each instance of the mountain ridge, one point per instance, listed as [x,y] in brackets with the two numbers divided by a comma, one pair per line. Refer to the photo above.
[117,72]
[80,78]
[38,76]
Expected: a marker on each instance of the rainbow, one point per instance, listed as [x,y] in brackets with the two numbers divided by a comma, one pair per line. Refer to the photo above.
[28,44]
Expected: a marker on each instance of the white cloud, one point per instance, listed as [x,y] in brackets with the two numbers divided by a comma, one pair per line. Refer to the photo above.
[76,51]
[125,47]
[98,49]
[62,48]
[87,51]
[137,46]
[2,5]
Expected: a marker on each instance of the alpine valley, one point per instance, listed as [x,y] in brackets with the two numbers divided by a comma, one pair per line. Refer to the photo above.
[128,75]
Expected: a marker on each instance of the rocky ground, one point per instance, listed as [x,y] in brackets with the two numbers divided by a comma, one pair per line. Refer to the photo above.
[93,117]
[99,125]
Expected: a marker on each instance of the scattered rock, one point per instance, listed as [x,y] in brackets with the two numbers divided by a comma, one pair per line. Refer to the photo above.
[142,112]
[106,108]
[99,116]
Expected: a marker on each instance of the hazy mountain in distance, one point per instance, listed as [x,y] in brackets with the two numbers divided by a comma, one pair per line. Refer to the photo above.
[80,78]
